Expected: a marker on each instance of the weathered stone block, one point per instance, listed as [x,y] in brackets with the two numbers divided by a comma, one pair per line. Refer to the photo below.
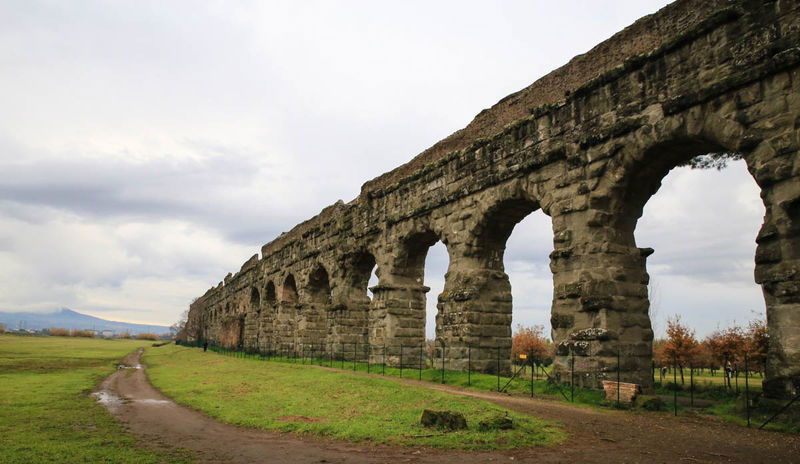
[627,391]
[448,420]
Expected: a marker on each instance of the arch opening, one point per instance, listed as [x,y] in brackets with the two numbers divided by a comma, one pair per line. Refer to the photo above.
[255,299]
[436,262]
[702,226]
[411,262]
[270,297]
[360,275]
[419,270]
[496,228]
[698,228]
[509,245]
[289,290]
[319,287]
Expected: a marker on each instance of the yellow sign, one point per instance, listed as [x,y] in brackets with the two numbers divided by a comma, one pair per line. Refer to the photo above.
[523,356]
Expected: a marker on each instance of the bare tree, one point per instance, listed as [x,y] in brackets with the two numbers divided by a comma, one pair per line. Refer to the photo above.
[178,327]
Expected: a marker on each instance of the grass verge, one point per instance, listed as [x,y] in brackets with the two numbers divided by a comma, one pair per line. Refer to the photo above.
[303,399]
[46,413]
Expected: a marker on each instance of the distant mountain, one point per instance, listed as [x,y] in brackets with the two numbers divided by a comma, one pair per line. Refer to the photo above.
[66,318]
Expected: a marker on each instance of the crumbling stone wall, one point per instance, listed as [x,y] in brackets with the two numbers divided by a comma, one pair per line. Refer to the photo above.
[720,76]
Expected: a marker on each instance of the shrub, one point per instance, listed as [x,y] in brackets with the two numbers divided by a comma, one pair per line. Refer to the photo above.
[146,336]
[82,333]
[2,328]
[653,404]
[58,332]
[124,335]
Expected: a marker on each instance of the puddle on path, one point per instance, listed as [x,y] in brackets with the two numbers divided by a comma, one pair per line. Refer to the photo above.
[123,366]
[150,401]
[111,401]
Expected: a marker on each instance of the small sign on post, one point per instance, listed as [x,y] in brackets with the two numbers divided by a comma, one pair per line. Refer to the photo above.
[523,356]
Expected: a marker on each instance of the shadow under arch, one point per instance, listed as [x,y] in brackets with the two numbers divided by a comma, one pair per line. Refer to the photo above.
[289,290]
[270,296]
[319,286]
[357,268]
[255,300]
[409,265]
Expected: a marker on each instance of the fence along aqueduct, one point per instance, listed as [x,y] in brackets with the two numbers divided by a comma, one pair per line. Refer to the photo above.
[588,144]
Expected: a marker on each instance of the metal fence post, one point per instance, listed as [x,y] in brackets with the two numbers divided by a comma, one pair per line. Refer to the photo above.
[572,377]
[653,369]
[619,357]
[498,368]
[401,361]
[532,369]
[469,365]
[368,352]
[691,386]
[421,347]
[675,383]
[443,349]
[355,355]
[383,366]
[747,388]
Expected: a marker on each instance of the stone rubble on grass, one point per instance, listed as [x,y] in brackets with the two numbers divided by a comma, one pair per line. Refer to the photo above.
[449,420]
[627,391]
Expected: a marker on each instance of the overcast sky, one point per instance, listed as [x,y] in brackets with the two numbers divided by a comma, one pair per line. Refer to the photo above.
[148,148]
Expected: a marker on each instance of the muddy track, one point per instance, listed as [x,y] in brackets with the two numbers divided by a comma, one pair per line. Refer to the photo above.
[597,436]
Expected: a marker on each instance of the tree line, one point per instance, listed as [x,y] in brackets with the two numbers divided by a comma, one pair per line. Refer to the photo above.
[726,350]
[729,350]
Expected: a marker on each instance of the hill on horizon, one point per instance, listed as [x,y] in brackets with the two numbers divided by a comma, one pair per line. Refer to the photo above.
[66,318]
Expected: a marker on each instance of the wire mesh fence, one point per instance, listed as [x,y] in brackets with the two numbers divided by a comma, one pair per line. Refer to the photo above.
[686,388]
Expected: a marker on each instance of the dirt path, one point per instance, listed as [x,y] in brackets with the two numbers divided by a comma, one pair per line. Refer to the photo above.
[597,436]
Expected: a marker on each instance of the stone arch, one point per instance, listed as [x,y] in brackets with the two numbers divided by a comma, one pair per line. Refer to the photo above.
[650,153]
[356,271]
[643,179]
[398,310]
[409,264]
[270,296]
[475,307]
[318,288]
[610,295]
[495,226]
[255,299]
[289,290]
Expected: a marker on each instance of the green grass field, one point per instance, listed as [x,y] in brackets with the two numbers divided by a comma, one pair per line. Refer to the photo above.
[303,399]
[518,385]
[730,405]
[46,413]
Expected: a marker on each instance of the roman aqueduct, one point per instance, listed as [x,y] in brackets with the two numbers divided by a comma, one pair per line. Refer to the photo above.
[588,144]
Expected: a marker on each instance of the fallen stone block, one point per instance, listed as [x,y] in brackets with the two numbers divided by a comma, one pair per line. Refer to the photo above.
[627,391]
[448,420]
[498,422]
